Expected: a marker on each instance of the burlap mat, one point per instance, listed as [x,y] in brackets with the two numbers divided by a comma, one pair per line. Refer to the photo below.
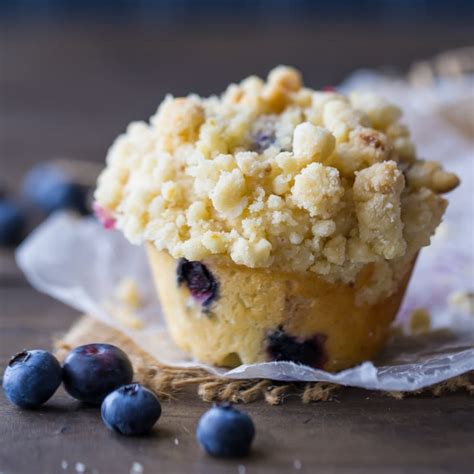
[170,381]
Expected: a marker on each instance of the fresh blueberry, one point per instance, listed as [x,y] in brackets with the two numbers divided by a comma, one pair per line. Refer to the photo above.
[224,431]
[199,280]
[65,196]
[48,187]
[12,223]
[131,410]
[92,371]
[31,378]
[283,347]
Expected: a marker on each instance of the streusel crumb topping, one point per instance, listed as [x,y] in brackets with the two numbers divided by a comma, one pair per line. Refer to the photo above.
[274,174]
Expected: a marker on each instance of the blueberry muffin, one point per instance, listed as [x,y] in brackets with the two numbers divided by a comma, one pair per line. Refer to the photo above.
[281,222]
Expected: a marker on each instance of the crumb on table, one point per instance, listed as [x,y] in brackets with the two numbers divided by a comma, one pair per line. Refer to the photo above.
[420,321]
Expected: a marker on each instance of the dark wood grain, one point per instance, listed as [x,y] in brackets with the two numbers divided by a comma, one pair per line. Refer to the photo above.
[67,89]
[358,432]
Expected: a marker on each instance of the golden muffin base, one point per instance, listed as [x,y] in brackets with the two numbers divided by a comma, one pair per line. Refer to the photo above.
[253,303]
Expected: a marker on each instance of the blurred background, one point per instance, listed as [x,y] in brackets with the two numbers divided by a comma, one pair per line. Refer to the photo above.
[74,73]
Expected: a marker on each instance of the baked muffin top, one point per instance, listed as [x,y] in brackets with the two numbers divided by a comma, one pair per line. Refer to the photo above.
[275,174]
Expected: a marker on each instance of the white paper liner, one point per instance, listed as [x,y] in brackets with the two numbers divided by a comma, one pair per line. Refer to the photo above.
[80,264]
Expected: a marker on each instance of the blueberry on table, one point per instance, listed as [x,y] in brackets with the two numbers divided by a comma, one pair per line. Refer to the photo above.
[92,371]
[31,378]
[199,280]
[131,410]
[225,431]
[12,223]
[49,188]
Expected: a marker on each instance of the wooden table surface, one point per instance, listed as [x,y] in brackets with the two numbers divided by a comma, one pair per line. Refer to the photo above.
[66,89]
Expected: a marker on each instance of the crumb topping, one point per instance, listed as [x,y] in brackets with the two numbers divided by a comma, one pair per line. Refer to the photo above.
[274,174]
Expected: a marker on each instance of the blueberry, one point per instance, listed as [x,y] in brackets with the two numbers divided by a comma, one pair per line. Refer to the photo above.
[199,280]
[12,223]
[48,187]
[224,431]
[65,196]
[263,134]
[31,378]
[92,371]
[131,410]
[262,141]
[283,347]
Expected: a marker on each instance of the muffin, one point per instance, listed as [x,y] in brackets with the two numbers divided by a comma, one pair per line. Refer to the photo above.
[281,223]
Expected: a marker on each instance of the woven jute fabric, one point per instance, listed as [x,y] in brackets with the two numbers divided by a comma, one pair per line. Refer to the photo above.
[168,381]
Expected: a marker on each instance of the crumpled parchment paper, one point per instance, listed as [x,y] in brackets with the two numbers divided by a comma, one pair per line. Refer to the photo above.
[79,263]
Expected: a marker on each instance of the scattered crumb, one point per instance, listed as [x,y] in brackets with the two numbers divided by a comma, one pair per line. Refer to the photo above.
[128,318]
[64,465]
[396,395]
[80,467]
[137,468]
[241,469]
[176,441]
[297,464]
[124,315]
[420,321]
[127,293]
[462,300]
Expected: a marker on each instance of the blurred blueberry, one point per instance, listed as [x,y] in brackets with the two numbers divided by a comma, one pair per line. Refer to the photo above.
[31,378]
[224,431]
[65,196]
[92,371]
[51,189]
[131,410]
[12,223]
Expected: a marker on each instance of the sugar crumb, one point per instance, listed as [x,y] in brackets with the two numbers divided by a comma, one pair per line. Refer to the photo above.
[80,467]
[136,468]
[124,315]
[462,300]
[127,292]
[297,464]
[420,321]
[64,465]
